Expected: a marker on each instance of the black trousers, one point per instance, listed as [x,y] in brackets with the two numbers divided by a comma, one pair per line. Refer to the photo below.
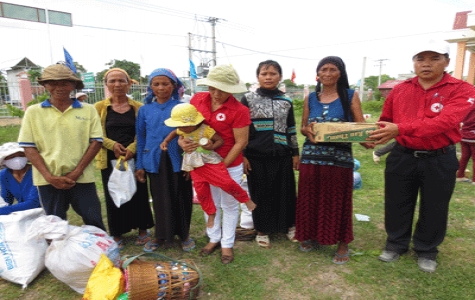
[82,197]
[406,177]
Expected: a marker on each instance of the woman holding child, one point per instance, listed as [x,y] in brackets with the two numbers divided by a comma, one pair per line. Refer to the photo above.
[230,119]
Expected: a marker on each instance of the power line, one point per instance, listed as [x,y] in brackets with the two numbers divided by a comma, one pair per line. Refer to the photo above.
[126,30]
[175,13]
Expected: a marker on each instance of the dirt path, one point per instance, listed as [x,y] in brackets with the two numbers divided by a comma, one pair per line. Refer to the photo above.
[10,121]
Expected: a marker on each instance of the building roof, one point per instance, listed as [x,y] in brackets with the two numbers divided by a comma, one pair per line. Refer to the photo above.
[25,63]
[389,84]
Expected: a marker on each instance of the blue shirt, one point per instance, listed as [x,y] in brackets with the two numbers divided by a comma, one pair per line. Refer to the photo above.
[151,131]
[24,192]
[331,154]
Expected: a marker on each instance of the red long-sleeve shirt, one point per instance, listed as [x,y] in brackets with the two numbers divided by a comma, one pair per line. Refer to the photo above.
[428,119]
[468,128]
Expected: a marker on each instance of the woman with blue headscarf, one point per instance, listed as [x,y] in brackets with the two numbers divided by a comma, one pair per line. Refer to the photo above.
[171,192]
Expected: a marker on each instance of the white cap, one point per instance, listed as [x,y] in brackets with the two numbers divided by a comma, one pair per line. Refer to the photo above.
[80,94]
[433,46]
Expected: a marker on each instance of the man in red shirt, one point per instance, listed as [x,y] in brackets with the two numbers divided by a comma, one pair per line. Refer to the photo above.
[423,114]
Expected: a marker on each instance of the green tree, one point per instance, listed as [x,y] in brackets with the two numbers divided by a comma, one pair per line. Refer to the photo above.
[34,73]
[289,84]
[79,69]
[133,69]
[371,82]
[3,88]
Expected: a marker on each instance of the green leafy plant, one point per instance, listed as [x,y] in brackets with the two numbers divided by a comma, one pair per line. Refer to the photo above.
[373,107]
[18,112]
[15,111]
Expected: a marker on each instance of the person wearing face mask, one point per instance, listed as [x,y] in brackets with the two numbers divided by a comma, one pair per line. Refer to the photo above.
[16,180]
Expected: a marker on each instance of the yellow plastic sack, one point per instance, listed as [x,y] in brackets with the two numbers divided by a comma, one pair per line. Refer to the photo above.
[106,282]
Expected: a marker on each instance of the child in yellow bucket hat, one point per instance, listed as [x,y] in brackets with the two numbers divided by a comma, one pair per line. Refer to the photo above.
[205,165]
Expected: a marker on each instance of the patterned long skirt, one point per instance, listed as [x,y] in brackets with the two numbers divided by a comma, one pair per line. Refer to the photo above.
[324,204]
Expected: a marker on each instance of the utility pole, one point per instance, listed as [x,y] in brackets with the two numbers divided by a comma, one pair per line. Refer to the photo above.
[213,40]
[380,68]
[190,56]
[362,79]
[49,35]
[211,62]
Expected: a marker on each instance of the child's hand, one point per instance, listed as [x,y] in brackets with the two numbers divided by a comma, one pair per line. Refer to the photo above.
[208,146]
[164,146]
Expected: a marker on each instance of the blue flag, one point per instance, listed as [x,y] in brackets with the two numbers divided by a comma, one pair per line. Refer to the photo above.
[69,61]
[192,70]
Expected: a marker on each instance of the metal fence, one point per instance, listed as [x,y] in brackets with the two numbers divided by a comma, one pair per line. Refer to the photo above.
[9,94]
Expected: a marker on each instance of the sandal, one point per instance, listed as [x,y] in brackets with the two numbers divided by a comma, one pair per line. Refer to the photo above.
[150,246]
[263,241]
[345,256]
[120,244]
[306,246]
[226,259]
[291,235]
[188,245]
[142,240]
[206,251]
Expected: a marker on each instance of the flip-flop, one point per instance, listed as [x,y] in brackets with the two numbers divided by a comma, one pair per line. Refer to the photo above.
[121,244]
[338,255]
[150,246]
[188,245]
[306,246]
[142,240]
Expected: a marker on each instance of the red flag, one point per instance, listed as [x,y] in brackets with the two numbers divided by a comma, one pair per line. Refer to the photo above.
[293,76]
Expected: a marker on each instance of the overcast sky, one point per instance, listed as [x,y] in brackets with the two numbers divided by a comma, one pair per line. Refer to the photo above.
[295,33]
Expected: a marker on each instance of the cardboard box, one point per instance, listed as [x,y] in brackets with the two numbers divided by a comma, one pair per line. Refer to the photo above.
[350,132]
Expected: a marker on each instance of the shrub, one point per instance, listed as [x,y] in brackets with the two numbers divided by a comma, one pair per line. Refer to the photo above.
[18,112]
[373,107]
[298,106]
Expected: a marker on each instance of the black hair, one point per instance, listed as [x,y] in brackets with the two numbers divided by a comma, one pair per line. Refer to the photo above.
[269,63]
[342,84]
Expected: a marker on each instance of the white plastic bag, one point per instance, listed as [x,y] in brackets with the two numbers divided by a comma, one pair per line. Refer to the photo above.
[21,259]
[75,251]
[2,202]
[122,185]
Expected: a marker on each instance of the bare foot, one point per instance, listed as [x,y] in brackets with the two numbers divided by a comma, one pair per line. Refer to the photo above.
[210,222]
[250,205]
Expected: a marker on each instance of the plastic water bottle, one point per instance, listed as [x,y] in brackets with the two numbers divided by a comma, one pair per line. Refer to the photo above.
[357,181]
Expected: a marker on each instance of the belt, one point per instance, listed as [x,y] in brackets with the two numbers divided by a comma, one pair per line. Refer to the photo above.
[424,153]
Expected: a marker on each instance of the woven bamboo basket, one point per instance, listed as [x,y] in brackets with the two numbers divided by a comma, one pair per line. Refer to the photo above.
[165,278]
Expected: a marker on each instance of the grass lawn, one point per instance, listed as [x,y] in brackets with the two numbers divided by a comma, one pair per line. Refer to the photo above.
[284,272]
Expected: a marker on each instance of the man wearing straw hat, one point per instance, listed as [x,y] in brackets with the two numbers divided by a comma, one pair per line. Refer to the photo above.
[61,136]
